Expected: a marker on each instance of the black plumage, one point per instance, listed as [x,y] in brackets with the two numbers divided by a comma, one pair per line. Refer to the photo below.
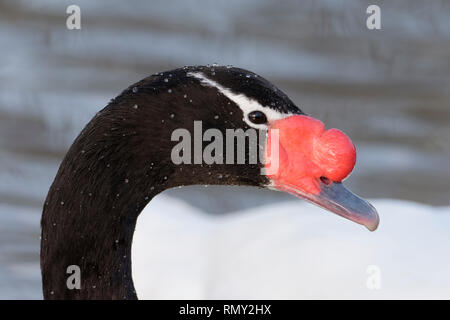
[121,160]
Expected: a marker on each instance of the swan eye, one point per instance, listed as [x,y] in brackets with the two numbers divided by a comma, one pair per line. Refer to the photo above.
[257,117]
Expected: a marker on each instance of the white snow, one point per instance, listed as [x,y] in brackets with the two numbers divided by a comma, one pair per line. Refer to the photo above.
[285,250]
[291,250]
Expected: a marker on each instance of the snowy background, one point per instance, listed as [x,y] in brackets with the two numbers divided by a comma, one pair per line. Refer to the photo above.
[388,89]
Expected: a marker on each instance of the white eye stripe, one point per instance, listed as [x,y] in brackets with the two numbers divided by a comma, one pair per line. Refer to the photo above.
[246,104]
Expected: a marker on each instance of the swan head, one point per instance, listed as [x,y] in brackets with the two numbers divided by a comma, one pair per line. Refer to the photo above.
[294,154]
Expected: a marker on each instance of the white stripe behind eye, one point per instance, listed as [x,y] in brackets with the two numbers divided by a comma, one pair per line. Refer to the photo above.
[246,104]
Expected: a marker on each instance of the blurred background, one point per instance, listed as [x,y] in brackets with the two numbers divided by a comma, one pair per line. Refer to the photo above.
[388,89]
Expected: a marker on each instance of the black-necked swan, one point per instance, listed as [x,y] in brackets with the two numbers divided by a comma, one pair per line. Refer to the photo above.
[124,157]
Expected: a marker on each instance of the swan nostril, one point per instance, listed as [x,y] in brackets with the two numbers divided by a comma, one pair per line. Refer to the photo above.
[325,180]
